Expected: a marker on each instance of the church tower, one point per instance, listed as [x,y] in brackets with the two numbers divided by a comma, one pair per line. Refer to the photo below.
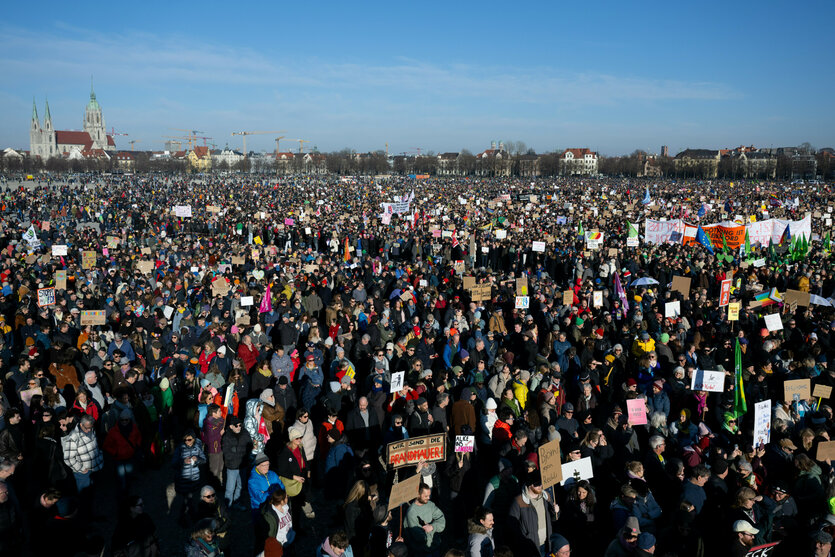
[35,132]
[93,121]
[48,135]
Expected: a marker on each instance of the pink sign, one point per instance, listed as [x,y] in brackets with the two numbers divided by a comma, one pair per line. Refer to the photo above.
[636,409]
[289,222]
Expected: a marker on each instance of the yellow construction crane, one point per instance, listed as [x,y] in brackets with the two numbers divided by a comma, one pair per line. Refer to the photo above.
[192,139]
[301,144]
[277,141]
[244,134]
[132,141]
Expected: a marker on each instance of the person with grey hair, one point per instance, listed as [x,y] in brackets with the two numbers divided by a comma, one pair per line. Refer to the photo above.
[82,453]
[654,462]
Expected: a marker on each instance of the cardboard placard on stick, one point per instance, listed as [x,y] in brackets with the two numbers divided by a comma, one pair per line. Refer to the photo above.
[481,293]
[797,297]
[822,391]
[404,491]
[800,387]
[550,465]
[88,259]
[826,451]
[522,286]
[681,284]
[60,280]
[568,297]
[93,317]
[145,267]
[220,287]
[469,282]
[429,448]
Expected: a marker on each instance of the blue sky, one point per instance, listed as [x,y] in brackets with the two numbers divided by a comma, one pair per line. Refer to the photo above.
[613,76]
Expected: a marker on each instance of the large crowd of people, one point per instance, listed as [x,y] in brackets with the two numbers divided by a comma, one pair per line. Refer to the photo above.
[264,341]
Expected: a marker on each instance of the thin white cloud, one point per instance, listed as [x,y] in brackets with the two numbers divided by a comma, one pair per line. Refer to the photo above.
[153,61]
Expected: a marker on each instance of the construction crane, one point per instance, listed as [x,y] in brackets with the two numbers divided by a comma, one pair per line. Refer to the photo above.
[244,134]
[132,141]
[277,141]
[418,149]
[301,144]
[204,138]
[114,132]
[193,135]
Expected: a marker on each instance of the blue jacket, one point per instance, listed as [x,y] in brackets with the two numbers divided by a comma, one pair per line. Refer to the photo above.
[336,453]
[659,403]
[261,487]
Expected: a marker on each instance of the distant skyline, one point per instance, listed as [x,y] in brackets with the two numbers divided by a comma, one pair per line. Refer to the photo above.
[613,77]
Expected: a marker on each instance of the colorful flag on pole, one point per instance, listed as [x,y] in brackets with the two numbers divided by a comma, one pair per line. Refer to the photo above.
[621,293]
[347,254]
[740,404]
[787,235]
[632,230]
[704,239]
[266,302]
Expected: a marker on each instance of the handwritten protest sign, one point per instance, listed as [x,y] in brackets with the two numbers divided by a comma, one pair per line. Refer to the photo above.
[822,391]
[60,280]
[46,297]
[59,249]
[773,322]
[762,423]
[481,293]
[522,286]
[523,302]
[637,411]
[429,448]
[464,443]
[800,387]
[733,311]
[709,381]
[550,466]
[93,317]
[826,451]
[88,259]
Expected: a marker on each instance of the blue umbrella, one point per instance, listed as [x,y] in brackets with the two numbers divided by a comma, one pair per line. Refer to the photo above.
[644,281]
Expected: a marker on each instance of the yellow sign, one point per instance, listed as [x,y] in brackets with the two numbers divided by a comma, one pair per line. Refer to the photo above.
[733,311]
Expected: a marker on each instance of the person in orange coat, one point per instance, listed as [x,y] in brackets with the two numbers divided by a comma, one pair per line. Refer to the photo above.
[122,444]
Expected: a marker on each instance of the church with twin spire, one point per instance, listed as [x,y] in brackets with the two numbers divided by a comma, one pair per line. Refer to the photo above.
[46,142]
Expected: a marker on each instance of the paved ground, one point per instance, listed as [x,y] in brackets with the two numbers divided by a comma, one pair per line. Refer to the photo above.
[157,490]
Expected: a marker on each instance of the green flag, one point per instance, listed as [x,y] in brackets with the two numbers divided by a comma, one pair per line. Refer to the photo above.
[747,244]
[772,253]
[580,230]
[740,404]
[632,230]
[826,241]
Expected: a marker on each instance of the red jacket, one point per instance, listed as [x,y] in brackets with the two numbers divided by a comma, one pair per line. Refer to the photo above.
[205,361]
[92,408]
[120,448]
[249,356]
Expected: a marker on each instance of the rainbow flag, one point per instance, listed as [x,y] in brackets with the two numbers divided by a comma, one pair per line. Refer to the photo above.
[769,297]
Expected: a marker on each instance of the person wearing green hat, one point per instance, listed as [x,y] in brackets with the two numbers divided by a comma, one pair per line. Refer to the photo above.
[665,354]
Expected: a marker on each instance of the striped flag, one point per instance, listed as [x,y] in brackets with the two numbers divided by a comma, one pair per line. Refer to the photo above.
[740,404]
